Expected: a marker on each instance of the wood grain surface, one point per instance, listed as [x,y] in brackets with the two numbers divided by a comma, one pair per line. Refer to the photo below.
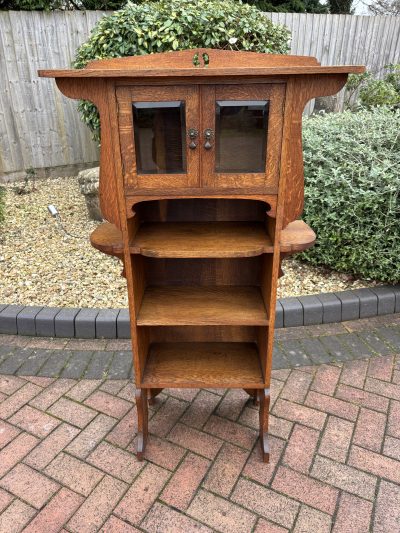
[199,306]
[231,364]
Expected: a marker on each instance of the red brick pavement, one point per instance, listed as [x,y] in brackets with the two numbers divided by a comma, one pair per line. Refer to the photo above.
[67,457]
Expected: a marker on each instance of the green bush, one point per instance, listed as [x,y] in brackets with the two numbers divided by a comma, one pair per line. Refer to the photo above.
[352,186]
[374,92]
[178,25]
[2,206]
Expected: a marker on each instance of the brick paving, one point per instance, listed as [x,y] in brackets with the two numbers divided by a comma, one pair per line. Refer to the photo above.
[67,448]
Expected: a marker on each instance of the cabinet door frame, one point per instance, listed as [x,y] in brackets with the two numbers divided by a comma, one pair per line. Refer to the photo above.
[275,93]
[126,96]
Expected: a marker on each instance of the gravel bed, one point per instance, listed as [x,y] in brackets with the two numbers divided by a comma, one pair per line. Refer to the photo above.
[40,265]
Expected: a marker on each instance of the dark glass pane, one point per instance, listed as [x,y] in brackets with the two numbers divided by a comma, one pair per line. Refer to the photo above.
[241,135]
[160,133]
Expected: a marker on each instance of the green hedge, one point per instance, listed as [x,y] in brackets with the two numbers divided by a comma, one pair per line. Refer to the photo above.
[352,185]
[178,25]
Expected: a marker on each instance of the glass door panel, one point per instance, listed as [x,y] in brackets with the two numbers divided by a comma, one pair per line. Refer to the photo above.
[242,128]
[240,135]
[159,136]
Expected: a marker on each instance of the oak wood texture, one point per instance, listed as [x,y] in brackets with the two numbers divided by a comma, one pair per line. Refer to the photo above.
[231,364]
[274,94]
[202,239]
[201,249]
[125,97]
[202,306]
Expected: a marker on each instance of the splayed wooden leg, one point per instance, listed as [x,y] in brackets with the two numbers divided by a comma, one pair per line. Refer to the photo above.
[253,393]
[143,417]
[264,396]
[152,393]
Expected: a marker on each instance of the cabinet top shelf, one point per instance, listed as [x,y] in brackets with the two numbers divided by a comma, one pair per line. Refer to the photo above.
[210,63]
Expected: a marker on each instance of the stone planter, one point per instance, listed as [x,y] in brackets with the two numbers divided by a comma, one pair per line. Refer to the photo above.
[89,186]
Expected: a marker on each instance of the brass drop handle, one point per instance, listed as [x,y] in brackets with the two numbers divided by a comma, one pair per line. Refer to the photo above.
[193,134]
[208,135]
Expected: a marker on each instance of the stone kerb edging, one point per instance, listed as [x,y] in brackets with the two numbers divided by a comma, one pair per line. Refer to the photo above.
[114,323]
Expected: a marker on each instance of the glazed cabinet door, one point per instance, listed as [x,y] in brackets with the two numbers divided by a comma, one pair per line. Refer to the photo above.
[241,134]
[159,136]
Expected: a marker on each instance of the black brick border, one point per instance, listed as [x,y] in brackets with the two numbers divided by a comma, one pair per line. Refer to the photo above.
[114,323]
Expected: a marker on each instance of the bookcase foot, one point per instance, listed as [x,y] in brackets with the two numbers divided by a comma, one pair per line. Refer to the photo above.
[152,393]
[253,393]
[264,396]
[143,417]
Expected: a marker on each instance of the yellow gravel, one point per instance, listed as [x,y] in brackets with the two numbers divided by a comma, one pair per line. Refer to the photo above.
[40,265]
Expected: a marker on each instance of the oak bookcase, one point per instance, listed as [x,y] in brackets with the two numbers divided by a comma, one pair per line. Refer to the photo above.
[201,187]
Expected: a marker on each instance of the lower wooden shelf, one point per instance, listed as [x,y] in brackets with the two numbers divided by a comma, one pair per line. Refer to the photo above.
[202,306]
[203,364]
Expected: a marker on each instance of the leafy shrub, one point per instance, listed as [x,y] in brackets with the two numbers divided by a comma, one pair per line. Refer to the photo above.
[374,92]
[352,186]
[2,206]
[178,25]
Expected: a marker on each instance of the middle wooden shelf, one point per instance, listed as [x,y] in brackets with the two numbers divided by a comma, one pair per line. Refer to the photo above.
[202,306]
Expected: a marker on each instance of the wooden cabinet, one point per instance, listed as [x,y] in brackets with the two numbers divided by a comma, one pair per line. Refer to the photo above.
[201,186]
[212,136]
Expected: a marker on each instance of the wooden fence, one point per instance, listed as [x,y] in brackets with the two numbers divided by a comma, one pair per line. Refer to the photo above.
[41,128]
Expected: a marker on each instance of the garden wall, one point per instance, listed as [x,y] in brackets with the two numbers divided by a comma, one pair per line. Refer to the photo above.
[41,128]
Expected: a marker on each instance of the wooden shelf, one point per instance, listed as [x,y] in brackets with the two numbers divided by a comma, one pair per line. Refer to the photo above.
[202,306]
[202,239]
[203,364]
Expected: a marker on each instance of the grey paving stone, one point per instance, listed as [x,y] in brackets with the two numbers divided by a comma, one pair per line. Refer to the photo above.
[123,324]
[64,323]
[44,321]
[350,305]
[76,365]
[279,315]
[396,290]
[295,354]
[106,324]
[98,365]
[376,343]
[85,324]
[391,335]
[3,306]
[368,302]
[332,307]
[6,351]
[386,299]
[121,365]
[279,359]
[336,346]
[8,319]
[55,363]
[357,345]
[315,350]
[14,361]
[34,362]
[292,312]
[26,320]
[312,310]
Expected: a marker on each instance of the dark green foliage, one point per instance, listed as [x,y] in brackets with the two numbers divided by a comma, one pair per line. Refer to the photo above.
[340,7]
[352,177]
[178,25]
[2,202]
[289,6]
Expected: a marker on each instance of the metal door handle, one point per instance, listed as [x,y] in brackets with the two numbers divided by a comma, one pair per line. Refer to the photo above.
[208,135]
[193,134]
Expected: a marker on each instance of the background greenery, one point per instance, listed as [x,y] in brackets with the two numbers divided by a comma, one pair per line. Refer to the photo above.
[2,196]
[178,25]
[372,91]
[294,6]
[352,186]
